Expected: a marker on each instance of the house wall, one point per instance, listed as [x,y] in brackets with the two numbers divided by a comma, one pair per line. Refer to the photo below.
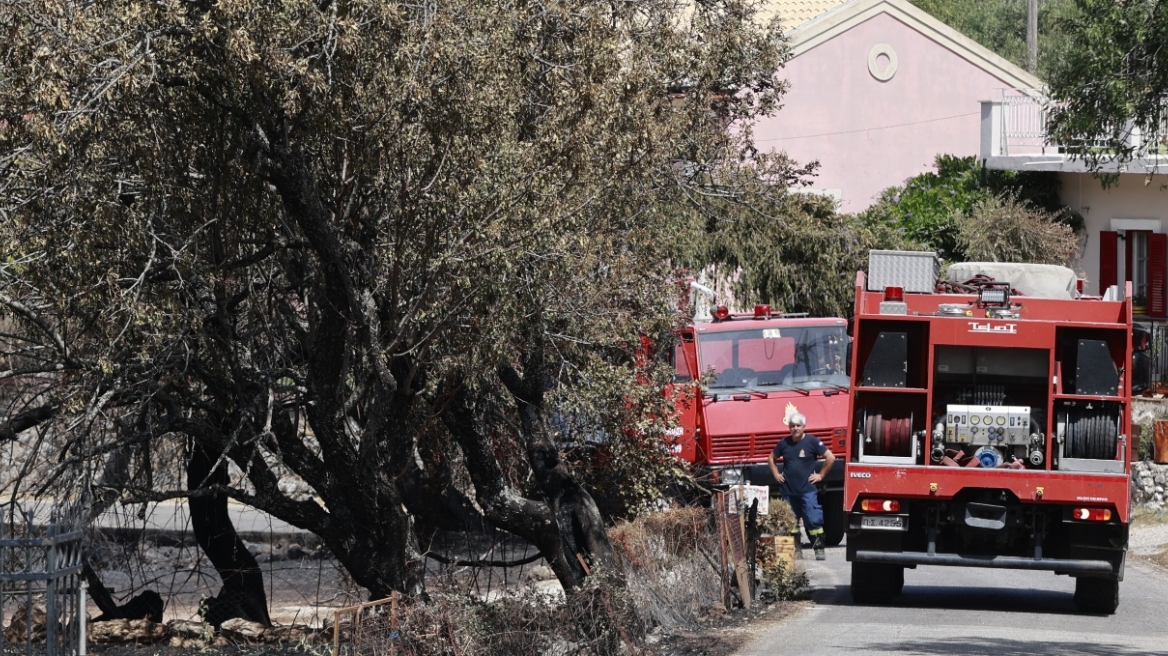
[868,134]
[1131,198]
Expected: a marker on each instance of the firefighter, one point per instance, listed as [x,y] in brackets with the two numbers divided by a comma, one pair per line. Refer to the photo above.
[800,452]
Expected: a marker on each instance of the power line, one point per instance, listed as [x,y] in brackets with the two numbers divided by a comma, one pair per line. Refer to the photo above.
[882,127]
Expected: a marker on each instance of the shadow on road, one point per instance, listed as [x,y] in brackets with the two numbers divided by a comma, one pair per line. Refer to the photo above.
[962,598]
[1002,647]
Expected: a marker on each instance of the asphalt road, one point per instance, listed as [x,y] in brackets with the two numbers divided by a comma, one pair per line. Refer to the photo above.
[958,610]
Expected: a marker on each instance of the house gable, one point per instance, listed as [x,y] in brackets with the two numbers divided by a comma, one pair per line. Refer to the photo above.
[846,16]
[878,90]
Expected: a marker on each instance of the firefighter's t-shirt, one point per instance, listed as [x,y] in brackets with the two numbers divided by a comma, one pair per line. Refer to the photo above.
[798,463]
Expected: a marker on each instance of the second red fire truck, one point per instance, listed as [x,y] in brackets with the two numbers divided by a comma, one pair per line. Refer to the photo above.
[759,368]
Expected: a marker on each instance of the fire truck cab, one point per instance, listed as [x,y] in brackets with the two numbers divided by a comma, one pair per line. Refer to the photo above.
[739,377]
[990,427]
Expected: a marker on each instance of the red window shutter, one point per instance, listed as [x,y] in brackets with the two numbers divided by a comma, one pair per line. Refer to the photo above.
[1157,274]
[1108,267]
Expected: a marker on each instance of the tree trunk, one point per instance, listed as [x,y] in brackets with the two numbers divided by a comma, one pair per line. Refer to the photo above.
[503,505]
[242,594]
[565,526]
[581,526]
[582,531]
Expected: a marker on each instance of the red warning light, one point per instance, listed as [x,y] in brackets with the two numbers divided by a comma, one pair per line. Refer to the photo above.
[894,294]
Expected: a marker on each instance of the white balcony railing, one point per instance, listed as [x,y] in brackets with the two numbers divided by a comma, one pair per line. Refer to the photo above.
[1023,122]
[1016,126]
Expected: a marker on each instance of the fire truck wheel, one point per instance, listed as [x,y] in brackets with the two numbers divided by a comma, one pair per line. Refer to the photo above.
[1097,595]
[834,517]
[875,583]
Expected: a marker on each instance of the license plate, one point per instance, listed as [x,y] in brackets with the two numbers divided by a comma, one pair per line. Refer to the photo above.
[895,523]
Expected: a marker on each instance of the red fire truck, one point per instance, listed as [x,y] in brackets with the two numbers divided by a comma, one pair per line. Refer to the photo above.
[762,366]
[989,429]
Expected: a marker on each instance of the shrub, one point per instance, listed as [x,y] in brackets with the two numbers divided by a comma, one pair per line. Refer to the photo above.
[780,583]
[779,520]
[1004,229]
[930,209]
[1147,443]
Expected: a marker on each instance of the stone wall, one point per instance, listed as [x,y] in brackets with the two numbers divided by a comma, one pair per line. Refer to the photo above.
[1149,480]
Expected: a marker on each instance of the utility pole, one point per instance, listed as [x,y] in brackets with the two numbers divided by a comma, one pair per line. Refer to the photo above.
[1032,36]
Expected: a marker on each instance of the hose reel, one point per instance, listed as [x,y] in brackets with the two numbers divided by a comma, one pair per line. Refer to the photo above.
[885,435]
[1089,433]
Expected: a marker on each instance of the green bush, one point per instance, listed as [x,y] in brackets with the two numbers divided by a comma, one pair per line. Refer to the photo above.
[930,209]
[780,583]
[1147,445]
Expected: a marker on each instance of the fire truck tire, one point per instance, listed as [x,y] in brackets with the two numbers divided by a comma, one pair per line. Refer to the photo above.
[834,517]
[876,583]
[1097,595]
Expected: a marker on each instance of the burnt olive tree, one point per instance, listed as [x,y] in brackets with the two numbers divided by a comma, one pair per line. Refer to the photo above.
[368,245]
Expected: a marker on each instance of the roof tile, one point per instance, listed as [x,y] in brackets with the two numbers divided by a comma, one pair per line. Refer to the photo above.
[793,13]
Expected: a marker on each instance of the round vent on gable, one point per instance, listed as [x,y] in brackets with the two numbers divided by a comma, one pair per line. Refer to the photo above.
[882,62]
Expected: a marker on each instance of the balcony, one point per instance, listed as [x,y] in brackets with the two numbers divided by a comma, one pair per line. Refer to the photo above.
[1014,137]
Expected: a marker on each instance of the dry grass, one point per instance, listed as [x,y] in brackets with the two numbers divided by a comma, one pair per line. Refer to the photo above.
[598,619]
[668,578]
[1142,516]
[669,560]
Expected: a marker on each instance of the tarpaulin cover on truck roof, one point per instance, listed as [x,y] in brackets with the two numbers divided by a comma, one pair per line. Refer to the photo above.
[1037,280]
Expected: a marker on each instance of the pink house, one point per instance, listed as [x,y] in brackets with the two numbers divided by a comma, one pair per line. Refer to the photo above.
[878,89]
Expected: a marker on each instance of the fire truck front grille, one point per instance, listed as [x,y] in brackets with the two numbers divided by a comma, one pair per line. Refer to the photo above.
[742,449]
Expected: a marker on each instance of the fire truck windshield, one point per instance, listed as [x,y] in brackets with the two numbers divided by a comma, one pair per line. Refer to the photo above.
[803,357]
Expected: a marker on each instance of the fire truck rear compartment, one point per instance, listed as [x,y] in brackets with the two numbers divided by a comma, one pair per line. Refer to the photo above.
[993,406]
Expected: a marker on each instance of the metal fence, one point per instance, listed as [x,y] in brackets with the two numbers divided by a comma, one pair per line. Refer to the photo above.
[39,579]
[1157,354]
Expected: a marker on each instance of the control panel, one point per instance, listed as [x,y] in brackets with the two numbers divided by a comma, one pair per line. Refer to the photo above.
[988,424]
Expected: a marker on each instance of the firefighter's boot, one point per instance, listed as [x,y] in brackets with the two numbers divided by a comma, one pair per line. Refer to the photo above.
[820,552]
[798,546]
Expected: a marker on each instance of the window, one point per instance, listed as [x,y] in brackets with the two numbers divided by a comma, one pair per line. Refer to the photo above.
[1138,270]
[798,357]
[1139,256]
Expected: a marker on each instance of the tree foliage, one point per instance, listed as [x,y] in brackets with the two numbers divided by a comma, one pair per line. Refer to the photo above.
[789,249]
[1113,81]
[367,244]
[1000,25]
